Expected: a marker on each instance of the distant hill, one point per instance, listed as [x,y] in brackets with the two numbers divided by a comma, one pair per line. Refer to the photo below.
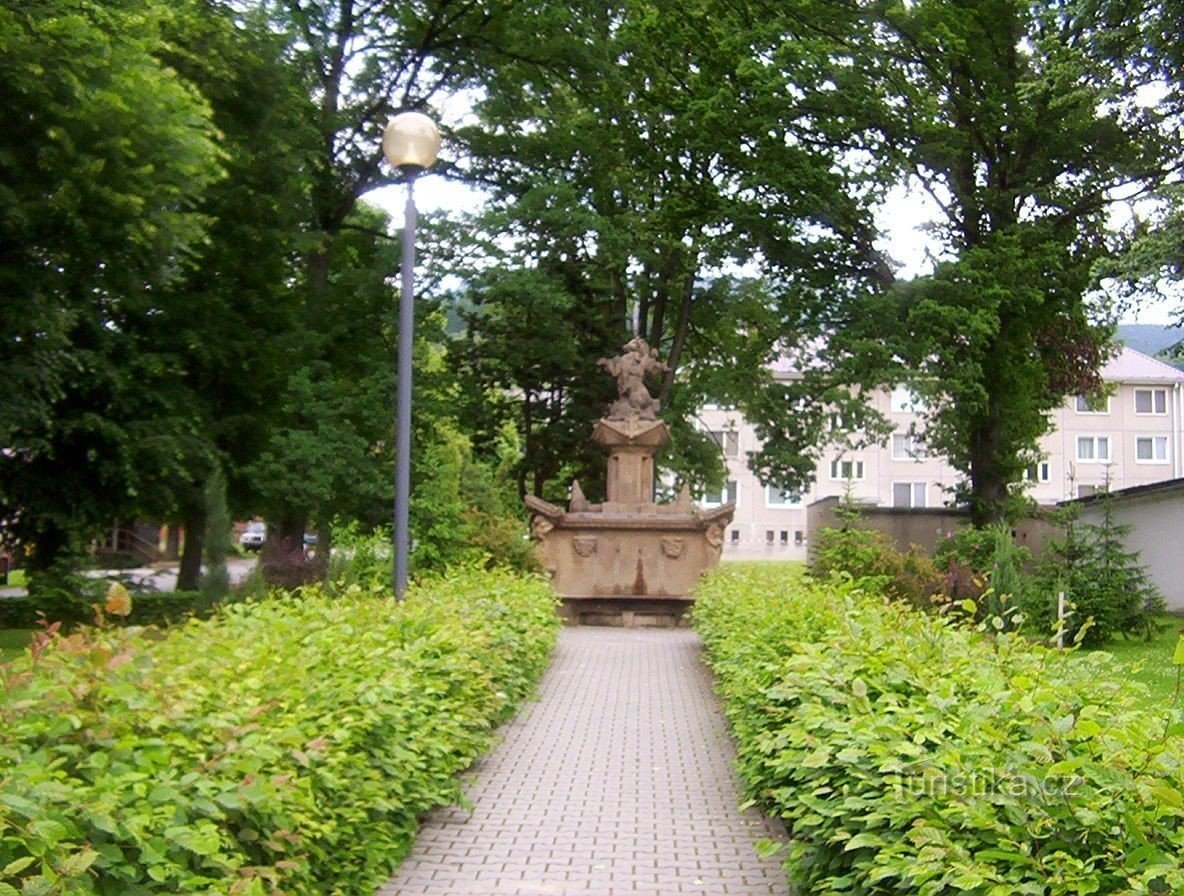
[1154,340]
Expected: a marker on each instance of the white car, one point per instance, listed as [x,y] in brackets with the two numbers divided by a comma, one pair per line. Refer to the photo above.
[253,536]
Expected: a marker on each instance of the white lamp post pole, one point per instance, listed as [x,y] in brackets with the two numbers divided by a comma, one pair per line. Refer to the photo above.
[410,143]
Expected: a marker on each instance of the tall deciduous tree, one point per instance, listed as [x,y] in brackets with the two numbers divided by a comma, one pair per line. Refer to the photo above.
[1022,133]
[105,155]
[361,60]
[634,151]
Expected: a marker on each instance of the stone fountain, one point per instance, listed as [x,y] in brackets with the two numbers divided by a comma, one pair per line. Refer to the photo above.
[628,561]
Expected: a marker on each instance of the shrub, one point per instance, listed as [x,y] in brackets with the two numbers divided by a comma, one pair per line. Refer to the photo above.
[907,755]
[987,566]
[149,608]
[287,745]
[869,556]
[1108,591]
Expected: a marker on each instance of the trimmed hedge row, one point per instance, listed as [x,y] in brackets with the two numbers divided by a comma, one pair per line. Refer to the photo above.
[908,755]
[288,745]
[149,608]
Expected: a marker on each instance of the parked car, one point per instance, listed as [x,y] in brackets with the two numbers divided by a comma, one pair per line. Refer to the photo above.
[253,536]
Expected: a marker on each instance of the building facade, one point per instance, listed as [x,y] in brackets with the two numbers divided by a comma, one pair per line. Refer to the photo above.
[1135,437]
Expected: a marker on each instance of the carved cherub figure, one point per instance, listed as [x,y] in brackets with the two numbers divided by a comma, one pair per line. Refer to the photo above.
[630,370]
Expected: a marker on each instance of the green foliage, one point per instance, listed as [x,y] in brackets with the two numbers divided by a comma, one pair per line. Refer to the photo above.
[78,607]
[909,755]
[288,745]
[464,511]
[1021,120]
[870,558]
[1107,590]
[106,154]
[360,560]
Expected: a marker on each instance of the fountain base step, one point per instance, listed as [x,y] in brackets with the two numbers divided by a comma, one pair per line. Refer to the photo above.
[626,612]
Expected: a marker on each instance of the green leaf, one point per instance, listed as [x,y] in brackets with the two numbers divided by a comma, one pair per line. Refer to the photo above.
[1178,655]
[16,866]
[37,886]
[77,863]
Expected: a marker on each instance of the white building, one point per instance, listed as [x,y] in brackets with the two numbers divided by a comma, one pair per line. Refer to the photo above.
[1135,437]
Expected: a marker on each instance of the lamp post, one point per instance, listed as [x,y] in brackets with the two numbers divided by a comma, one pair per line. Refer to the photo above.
[410,143]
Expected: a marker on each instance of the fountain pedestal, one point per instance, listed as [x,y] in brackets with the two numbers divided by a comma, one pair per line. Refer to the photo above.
[628,555]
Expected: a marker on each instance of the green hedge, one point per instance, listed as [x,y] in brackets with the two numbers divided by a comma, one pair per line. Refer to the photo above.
[908,755]
[148,608]
[287,745]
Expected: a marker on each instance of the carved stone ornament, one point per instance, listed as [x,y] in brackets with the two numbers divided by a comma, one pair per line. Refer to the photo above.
[584,546]
[630,369]
[672,547]
[715,535]
[540,526]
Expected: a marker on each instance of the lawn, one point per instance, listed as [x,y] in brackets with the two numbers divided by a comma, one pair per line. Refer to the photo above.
[1150,662]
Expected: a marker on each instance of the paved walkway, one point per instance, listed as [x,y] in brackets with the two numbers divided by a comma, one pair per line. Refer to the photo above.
[618,780]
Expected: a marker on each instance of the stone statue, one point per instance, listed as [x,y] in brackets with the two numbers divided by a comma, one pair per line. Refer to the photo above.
[630,369]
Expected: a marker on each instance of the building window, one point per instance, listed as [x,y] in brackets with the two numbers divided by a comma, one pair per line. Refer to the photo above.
[727,496]
[906,446]
[904,401]
[1151,449]
[842,422]
[1093,448]
[846,469]
[1092,404]
[799,537]
[776,497]
[1086,491]
[728,441]
[769,535]
[1040,472]
[785,538]
[735,533]
[909,494]
[1151,401]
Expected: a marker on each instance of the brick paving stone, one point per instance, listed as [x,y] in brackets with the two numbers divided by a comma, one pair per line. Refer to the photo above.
[617,780]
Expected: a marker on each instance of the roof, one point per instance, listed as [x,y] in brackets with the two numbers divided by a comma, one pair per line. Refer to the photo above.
[1134,491]
[1130,366]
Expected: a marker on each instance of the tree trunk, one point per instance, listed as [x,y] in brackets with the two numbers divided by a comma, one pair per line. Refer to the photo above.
[323,552]
[680,338]
[988,488]
[189,575]
[282,559]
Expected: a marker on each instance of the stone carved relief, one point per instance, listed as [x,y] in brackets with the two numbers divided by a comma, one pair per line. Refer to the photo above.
[540,526]
[715,535]
[584,546]
[672,547]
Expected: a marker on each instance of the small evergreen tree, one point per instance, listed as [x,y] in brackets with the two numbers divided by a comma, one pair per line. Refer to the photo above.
[1101,578]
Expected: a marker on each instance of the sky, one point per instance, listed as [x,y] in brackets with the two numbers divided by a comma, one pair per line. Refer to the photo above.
[902,220]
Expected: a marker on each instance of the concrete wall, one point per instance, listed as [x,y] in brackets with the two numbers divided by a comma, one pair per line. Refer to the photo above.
[920,526]
[1156,519]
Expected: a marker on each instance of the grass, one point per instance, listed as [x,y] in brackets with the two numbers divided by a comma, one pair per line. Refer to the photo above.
[16,579]
[1150,662]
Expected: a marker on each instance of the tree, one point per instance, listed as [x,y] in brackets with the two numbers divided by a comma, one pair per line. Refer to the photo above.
[231,324]
[106,154]
[1021,132]
[653,146]
[360,62]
